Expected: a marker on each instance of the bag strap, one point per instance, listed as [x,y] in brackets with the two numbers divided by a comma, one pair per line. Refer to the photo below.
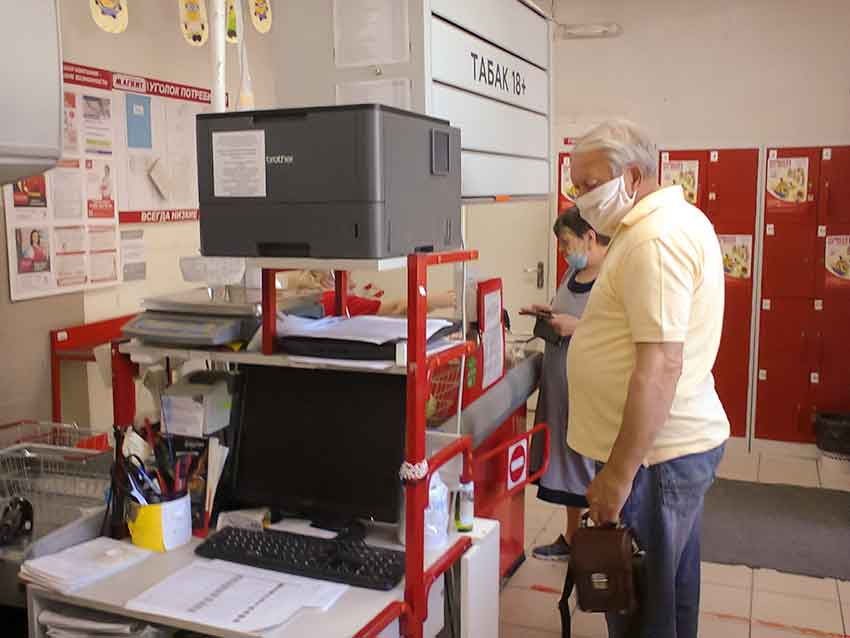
[564,604]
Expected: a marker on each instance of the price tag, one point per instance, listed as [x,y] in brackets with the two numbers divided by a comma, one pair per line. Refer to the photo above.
[821,231]
[714,156]
[771,230]
[772,154]
[765,304]
[762,375]
[827,154]
[814,378]
[818,304]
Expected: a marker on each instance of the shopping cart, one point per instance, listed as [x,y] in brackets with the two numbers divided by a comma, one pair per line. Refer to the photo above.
[64,471]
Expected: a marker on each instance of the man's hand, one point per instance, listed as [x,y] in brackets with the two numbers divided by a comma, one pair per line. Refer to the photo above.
[564,325]
[607,494]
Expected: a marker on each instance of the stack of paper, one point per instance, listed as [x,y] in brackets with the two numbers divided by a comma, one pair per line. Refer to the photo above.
[235,597]
[216,457]
[82,565]
[81,623]
[373,329]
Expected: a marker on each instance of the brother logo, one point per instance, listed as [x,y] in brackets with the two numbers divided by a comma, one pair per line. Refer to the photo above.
[280,159]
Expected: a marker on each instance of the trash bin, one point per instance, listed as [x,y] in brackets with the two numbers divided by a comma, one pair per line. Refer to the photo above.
[833,433]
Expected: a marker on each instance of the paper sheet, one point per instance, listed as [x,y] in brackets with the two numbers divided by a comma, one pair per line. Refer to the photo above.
[493,340]
[67,189]
[133,263]
[365,329]
[97,124]
[234,597]
[394,92]
[371,32]
[239,163]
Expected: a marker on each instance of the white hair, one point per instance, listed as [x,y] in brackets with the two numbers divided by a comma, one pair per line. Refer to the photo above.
[625,144]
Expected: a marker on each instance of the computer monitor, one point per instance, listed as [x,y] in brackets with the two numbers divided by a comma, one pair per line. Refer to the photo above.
[324,444]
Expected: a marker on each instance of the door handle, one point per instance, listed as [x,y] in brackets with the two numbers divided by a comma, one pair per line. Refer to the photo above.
[540,274]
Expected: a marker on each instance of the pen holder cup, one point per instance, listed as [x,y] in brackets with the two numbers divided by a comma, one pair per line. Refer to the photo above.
[162,526]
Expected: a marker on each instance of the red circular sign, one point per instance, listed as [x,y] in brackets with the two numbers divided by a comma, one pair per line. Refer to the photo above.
[516,466]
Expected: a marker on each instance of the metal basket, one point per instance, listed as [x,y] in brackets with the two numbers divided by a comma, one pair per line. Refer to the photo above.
[58,434]
[62,483]
[442,401]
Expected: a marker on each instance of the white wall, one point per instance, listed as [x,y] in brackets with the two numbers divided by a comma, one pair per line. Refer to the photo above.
[153,46]
[717,73]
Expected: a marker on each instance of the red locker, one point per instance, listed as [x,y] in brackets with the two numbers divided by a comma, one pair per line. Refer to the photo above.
[832,384]
[792,184]
[566,198]
[834,192]
[732,189]
[688,169]
[787,359]
[789,259]
[731,370]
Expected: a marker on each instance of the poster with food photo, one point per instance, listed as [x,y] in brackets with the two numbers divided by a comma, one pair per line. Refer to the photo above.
[737,255]
[684,173]
[838,256]
[787,181]
[97,124]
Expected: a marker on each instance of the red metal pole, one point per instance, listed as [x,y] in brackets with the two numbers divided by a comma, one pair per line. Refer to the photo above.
[380,622]
[416,491]
[55,379]
[269,301]
[123,388]
[341,289]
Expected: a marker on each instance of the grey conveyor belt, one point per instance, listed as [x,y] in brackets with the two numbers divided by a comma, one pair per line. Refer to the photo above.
[494,407]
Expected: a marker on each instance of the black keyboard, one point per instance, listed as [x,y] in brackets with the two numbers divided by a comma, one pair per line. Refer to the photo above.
[351,562]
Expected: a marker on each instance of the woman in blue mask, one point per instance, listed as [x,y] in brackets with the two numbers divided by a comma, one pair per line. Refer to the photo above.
[569,474]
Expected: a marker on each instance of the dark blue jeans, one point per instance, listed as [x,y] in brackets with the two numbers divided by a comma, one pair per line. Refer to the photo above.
[665,512]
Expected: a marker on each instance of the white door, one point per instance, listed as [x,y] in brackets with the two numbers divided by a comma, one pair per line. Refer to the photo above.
[513,242]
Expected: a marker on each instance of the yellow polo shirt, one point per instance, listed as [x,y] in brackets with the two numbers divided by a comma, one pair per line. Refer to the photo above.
[662,281]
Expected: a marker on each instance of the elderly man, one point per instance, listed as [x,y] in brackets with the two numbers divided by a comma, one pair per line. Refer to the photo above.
[642,397]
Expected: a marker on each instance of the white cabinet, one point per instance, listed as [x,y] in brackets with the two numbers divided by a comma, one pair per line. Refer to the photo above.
[31,93]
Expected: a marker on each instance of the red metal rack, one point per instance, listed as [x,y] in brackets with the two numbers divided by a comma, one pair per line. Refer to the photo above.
[413,610]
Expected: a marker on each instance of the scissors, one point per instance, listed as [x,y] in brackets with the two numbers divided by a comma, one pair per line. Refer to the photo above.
[139,477]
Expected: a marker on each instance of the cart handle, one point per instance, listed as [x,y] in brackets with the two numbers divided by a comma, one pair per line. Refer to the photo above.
[500,450]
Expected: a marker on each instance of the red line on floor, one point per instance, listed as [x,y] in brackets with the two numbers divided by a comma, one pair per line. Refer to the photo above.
[545,589]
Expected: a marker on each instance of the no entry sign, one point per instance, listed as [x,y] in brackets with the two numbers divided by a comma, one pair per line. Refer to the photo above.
[517,463]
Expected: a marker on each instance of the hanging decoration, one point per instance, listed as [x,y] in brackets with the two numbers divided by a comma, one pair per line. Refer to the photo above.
[234,26]
[110,15]
[261,14]
[246,89]
[193,21]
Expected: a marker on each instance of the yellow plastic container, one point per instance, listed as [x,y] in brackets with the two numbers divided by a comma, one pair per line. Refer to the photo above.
[162,526]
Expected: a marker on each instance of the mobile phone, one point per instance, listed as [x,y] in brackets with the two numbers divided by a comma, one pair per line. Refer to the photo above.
[540,314]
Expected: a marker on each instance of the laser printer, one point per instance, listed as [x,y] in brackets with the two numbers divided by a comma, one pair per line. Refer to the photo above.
[345,182]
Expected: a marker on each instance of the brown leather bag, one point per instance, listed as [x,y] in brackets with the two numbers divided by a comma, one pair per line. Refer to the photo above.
[605,568]
[602,561]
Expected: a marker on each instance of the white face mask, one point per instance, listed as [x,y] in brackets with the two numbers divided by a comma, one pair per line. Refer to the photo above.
[605,206]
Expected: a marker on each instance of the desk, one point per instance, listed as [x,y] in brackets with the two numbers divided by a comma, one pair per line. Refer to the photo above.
[350,614]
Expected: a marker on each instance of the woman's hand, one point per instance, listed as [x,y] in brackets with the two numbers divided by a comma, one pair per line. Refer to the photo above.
[536,309]
[564,325]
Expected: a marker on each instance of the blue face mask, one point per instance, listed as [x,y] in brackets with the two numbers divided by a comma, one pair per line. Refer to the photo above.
[577,261]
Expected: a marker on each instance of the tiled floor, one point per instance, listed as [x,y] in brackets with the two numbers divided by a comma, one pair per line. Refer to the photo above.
[737,602]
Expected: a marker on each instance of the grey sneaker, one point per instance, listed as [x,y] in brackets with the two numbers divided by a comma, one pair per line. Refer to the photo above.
[559,550]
